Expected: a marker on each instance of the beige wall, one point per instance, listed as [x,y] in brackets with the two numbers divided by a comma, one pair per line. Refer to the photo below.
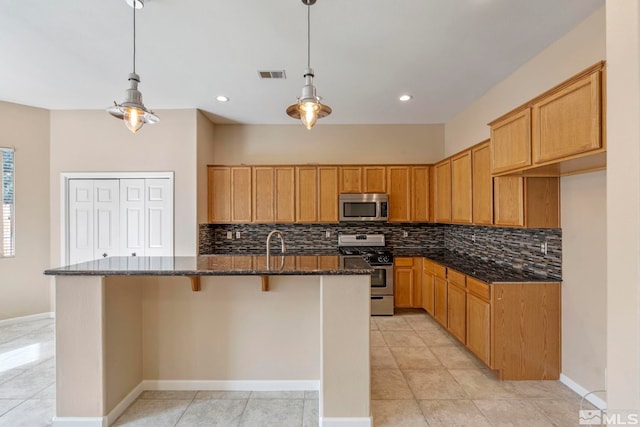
[92,141]
[583,210]
[23,288]
[623,204]
[278,144]
[584,292]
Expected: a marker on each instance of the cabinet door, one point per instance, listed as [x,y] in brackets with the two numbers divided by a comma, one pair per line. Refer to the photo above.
[327,194]
[403,282]
[428,287]
[479,328]
[457,312]
[511,142]
[420,193]
[219,193]
[568,122]
[482,184]
[350,179]
[440,307]
[508,200]
[263,194]
[241,194]
[399,187]
[461,195]
[306,194]
[374,178]
[442,187]
[284,196]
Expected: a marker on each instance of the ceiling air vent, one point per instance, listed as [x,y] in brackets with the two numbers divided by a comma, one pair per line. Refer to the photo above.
[272,74]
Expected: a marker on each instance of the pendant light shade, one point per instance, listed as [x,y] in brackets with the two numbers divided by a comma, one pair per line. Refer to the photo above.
[308,108]
[132,110]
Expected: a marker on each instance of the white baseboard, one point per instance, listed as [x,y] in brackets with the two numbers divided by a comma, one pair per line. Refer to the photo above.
[23,319]
[592,398]
[290,385]
[79,422]
[124,403]
[346,422]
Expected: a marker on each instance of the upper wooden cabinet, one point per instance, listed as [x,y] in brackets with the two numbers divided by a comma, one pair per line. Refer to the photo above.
[420,193]
[229,190]
[482,184]
[526,202]
[568,122]
[306,194]
[328,193]
[442,191]
[273,194]
[461,188]
[399,188]
[363,179]
[558,133]
[511,142]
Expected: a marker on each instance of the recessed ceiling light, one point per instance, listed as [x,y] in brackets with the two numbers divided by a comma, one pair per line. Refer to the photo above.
[405,98]
[222,98]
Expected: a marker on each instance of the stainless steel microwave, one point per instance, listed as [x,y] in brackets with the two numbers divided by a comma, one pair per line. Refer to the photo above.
[364,207]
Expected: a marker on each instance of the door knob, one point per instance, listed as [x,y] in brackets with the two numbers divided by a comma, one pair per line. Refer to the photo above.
[133,254]
[104,255]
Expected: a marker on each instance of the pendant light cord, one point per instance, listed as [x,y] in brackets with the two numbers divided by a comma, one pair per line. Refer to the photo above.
[134,36]
[308,36]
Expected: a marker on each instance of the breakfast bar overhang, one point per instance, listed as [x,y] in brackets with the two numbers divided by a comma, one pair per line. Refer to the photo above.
[129,324]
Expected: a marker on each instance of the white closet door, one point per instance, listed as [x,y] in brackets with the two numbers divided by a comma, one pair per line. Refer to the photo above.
[80,221]
[159,217]
[107,217]
[132,213]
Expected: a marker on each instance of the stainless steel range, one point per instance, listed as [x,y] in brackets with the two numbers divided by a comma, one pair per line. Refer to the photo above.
[371,247]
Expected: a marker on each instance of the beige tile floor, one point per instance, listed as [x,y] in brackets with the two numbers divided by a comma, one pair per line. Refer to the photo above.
[420,376]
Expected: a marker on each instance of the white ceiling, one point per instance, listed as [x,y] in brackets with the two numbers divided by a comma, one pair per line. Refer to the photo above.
[72,54]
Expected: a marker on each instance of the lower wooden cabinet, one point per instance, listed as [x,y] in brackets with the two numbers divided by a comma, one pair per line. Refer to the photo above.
[457,305]
[514,328]
[440,295]
[406,282]
[479,319]
[428,286]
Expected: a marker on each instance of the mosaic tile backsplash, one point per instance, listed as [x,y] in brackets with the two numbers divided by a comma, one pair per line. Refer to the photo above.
[519,248]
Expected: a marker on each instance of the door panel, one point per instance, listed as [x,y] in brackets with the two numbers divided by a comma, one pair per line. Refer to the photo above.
[159,217]
[107,210]
[80,221]
[132,217]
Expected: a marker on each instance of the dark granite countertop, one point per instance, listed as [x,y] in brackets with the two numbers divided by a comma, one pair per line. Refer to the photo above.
[214,265]
[484,270]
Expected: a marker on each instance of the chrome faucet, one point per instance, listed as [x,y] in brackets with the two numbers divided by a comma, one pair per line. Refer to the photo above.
[283,248]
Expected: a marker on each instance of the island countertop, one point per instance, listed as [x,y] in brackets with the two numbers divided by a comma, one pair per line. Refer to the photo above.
[214,265]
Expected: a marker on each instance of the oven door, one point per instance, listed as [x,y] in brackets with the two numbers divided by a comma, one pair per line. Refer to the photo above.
[381,279]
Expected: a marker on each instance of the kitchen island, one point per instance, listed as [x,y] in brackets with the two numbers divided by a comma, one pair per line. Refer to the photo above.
[129,324]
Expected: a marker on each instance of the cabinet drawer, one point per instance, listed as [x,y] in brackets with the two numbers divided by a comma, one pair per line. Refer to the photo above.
[479,289]
[403,262]
[440,271]
[456,278]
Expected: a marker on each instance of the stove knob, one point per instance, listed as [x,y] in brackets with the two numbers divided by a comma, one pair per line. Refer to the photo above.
[384,259]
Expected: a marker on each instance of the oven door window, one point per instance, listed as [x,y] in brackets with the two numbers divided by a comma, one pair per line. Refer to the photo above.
[359,209]
[379,278]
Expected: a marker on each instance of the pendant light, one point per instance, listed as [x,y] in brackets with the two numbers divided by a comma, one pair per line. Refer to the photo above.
[308,108]
[132,110]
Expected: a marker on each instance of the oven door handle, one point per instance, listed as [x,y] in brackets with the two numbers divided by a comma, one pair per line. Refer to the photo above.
[374,297]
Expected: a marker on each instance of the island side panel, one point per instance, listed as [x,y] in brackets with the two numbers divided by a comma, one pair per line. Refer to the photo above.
[123,337]
[231,332]
[79,346]
[345,371]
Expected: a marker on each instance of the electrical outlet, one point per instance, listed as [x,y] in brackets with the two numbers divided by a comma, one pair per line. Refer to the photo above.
[229,235]
[237,234]
[473,238]
[543,248]
[327,234]
[405,234]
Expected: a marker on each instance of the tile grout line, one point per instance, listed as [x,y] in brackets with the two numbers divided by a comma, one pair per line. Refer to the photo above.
[186,408]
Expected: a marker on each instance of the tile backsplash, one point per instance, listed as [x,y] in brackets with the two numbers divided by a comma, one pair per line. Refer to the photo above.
[519,248]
